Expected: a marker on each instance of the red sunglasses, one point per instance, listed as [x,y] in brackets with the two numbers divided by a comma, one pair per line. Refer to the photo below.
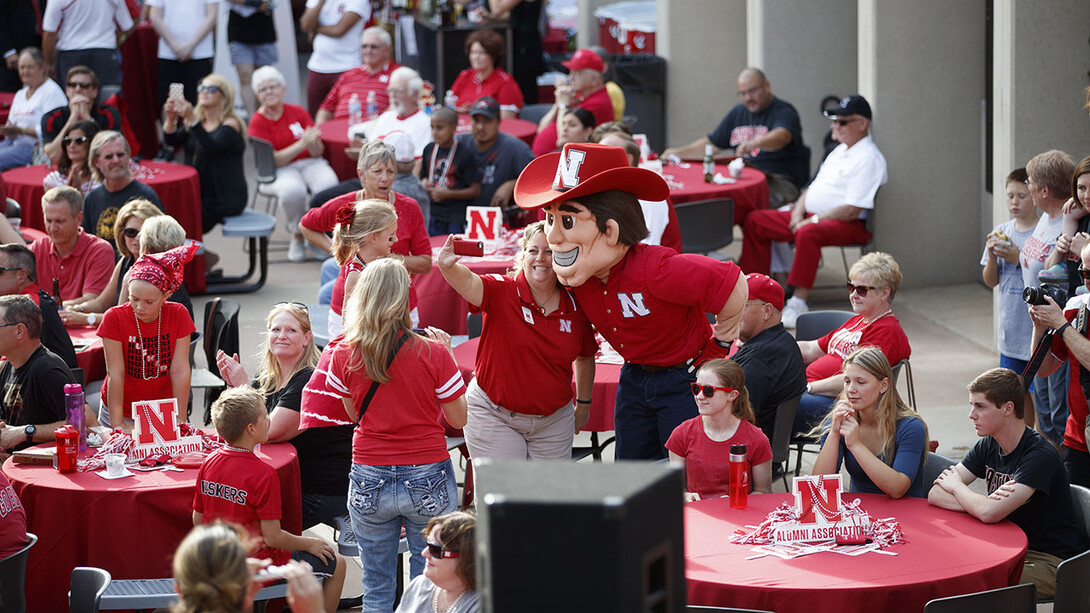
[709,390]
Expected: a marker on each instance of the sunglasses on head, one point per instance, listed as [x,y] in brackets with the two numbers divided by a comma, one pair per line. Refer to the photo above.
[859,289]
[212,89]
[79,140]
[131,232]
[709,390]
[299,305]
[436,550]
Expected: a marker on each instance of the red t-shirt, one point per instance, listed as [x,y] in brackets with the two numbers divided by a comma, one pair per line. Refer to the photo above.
[319,406]
[12,519]
[652,308]
[469,88]
[598,103]
[285,131]
[119,324]
[86,270]
[412,235]
[237,486]
[516,334]
[401,425]
[359,81]
[884,333]
[1075,432]
[707,462]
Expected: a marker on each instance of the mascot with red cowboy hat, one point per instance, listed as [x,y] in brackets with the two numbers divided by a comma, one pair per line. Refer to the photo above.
[648,301]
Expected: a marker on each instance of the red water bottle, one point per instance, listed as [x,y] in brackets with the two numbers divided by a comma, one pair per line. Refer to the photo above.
[739,477]
[67,448]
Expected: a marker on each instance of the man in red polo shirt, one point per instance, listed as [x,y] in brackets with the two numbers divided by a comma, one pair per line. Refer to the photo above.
[82,263]
[372,76]
[583,89]
[648,301]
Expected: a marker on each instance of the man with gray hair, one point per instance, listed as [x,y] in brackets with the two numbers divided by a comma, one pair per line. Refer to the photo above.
[373,76]
[18,268]
[79,263]
[404,114]
[583,88]
[110,163]
[32,379]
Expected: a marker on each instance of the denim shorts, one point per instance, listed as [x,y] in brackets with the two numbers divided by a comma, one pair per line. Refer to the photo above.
[262,54]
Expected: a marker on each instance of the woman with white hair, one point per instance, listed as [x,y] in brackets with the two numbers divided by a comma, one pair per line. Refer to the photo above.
[297,142]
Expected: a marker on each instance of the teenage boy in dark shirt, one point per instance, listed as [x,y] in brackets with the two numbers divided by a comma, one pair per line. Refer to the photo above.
[450,175]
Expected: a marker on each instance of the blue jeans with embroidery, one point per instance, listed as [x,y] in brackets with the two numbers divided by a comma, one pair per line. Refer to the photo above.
[380,499]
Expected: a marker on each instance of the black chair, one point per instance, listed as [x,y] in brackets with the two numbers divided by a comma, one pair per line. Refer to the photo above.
[88,585]
[933,467]
[534,112]
[905,366]
[706,225]
[265,165]
[812,326]
[13,578]
[1015,599]
[220,333]
[781,435]
[14,209]
[1072,588]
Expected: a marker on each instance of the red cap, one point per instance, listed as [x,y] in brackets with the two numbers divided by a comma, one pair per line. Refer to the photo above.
[585,59]
[763,288]
[581,169]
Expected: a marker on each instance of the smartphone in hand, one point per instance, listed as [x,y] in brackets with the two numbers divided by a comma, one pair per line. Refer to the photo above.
[464,246]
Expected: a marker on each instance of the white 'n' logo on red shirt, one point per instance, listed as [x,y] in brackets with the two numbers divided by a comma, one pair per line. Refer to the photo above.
[632,306]
[565,325]
[567,170]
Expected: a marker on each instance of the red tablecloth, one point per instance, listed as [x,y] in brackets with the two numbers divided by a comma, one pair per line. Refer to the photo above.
[749,192]
[437,303]
[89,353]
[5,105]
[335,138]
[177,185]
[946,554]
[140,65]
[128,526]
[604,394]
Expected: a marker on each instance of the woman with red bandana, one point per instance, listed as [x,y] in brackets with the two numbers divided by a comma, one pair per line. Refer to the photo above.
[143,337]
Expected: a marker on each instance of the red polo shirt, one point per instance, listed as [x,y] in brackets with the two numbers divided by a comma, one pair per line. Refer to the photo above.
[86,270]
[540,348]
[359,81]
[652,308]
[598,103]
[412,235]
[469,88]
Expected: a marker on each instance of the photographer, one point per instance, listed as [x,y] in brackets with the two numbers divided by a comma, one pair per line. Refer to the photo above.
[1071,344]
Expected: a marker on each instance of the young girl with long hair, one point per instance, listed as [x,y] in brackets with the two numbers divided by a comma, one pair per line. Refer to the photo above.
[365,232]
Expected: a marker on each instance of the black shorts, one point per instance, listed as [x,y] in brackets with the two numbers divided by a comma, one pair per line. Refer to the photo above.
[320,568]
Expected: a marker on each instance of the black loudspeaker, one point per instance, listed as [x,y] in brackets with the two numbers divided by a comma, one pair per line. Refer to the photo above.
[562,536]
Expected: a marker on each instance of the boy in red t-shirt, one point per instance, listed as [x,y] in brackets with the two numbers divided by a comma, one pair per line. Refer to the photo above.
[235,485]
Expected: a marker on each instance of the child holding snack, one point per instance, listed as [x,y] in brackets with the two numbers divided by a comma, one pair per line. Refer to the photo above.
[450,175]
[235,485]
[1014,330]
[703,442]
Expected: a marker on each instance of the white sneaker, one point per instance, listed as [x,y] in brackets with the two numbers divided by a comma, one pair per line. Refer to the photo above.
[297,251]
[791,311]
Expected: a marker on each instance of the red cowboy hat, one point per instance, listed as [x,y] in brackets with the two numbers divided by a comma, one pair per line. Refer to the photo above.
[581,169]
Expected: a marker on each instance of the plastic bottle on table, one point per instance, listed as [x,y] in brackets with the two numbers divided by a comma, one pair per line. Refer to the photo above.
[73,407]
[372,106]
[739,477]
[355,110]
[450,100]
[709,164]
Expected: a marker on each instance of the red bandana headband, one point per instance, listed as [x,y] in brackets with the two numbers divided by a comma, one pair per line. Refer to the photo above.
[346,213]
[164,270]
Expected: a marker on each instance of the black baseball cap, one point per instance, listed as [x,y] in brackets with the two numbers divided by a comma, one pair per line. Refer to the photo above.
[850,105]
[486,106]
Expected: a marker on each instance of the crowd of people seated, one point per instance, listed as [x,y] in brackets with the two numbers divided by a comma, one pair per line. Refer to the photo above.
[367,414]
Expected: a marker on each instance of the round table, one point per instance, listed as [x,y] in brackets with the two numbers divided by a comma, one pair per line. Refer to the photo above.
[603,394]
[90,355]
[335,139]
[177,185]
[437,303]
[947,553]
[749,192]
[128,526]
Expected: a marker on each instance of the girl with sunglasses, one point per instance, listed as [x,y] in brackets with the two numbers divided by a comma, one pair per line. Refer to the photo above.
[74,166]
[702,444]
[874,279]
[449,582]
[881,439]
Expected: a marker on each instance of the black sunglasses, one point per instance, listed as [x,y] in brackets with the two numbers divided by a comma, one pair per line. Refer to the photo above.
[709,390]
[212,89]
[131,232]
[844,122]
[1085,272]
[438,551]
[79,140]
[860,289]
[80,85]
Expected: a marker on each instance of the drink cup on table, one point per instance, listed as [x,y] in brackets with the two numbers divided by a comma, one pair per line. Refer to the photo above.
[115,464]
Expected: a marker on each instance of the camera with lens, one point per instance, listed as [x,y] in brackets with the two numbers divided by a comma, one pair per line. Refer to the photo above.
[1036,295]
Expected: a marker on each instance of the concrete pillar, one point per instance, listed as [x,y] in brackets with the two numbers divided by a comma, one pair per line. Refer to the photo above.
[587,24]
[704,43]
[819,61]
[922,67]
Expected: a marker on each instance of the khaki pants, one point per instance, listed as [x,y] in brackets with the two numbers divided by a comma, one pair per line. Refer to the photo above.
[1040,570]
[494,432]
